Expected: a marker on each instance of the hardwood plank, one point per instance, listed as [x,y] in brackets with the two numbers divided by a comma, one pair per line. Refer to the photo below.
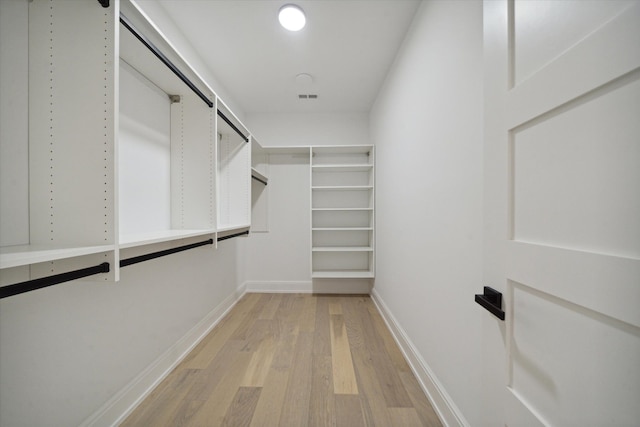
[322,337]
[206,351]
[260,361]
[164,401]
[269,406]
[251,317]
[394,392]
[374,406]
[271,307]
[404,417]
[389,342]
[214,409]
[242,407]
[425,411]
[321,401]
[348,411]
[372,400]
[335,306]
[295,409]
[308,315]
[344,378]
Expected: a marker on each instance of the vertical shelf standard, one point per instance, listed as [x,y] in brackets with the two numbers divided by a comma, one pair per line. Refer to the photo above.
[342,212]
[234,173]
[58,192]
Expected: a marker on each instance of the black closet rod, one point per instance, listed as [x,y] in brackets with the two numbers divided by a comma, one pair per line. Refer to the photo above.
[43,282]
[164,59]
[231,236]
[230,123]
[259,180]
[147,257]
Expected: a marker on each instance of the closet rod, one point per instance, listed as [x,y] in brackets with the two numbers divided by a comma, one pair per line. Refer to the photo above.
[230,123]
[231,236]
[43,282]
[259,180]
[147,257]
[164,59]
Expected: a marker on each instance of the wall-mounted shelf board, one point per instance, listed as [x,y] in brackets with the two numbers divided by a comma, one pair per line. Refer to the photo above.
[286,150]
[344,188]
[16,256]
[342,209]
[343,274]
[342,229]
[256,174]
[342,168]
[233,228]
[342,249]
[160,236]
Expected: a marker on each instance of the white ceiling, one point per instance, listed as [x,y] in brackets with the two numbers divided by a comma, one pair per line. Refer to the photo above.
[347,47]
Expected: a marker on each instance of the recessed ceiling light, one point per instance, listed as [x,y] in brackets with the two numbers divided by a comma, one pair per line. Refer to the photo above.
[292,17]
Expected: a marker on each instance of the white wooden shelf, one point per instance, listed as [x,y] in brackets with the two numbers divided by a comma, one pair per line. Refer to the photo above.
[226,228]
[341,209]
[16,256]
[342,168]
[343,188]
[342,229]
[343,274]
[141,239]
[342,213]
[342,249]
[256,174]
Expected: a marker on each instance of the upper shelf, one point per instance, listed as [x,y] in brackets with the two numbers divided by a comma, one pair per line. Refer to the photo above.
[129,241]
[342,168]
[259,176]
[16,256]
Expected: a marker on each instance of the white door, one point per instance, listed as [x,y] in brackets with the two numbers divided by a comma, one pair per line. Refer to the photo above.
[562,212]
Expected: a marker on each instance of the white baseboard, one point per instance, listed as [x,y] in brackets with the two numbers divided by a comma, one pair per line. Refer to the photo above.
[444,406]
[333,286]
[126,400]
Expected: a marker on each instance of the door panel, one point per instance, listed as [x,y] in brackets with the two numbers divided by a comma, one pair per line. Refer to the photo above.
[562,209]
[573,168]
[563,28]
[571,364]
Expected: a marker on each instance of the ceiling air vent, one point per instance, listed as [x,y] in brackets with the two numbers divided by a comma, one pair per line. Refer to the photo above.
[307,96]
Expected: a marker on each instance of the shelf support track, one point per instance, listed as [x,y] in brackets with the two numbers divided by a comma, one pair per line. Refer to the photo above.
[43,282]
[145,41]
[153,255]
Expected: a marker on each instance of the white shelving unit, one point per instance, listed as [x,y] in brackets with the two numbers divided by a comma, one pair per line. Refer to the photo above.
[342,212]
[59,201]
[234,173]
[106,147]
[166,143]
[259,188]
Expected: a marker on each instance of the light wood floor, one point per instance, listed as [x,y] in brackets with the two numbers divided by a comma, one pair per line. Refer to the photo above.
[292,360]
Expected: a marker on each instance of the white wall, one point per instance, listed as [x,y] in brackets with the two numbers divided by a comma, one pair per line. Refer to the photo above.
[427,128]
[275,129]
